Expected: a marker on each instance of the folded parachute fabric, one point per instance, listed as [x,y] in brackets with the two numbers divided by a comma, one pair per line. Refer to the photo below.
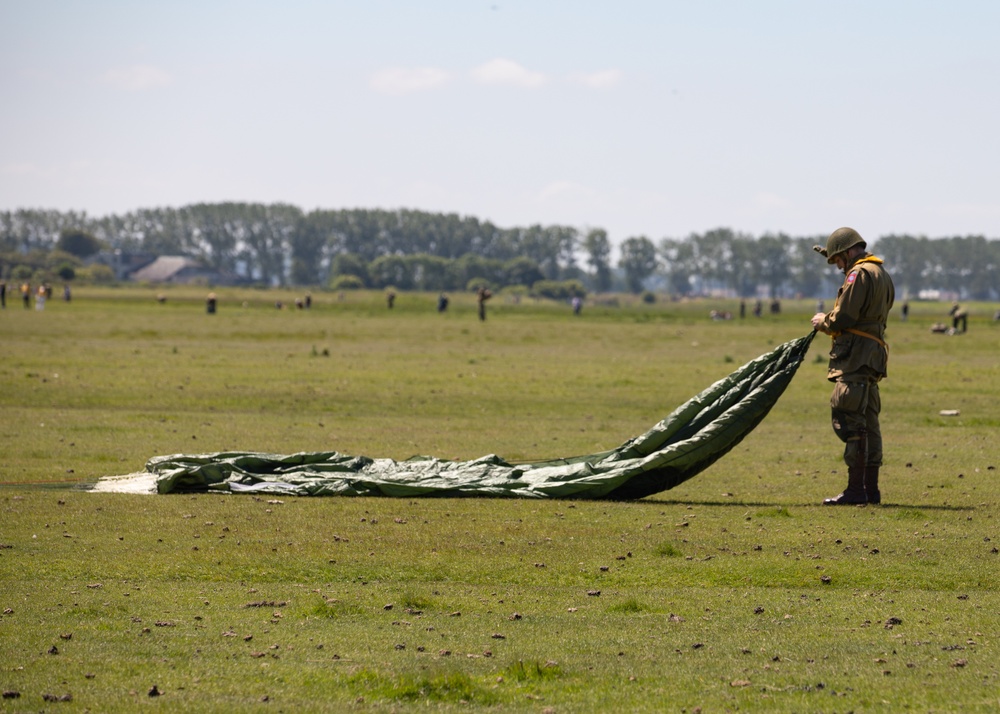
[689,440]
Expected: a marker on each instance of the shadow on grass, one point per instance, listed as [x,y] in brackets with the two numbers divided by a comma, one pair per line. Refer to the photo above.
[86,485]
[761,504]
[54,485]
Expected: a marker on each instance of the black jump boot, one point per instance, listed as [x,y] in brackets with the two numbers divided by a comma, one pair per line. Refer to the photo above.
[855,493]
[871,485]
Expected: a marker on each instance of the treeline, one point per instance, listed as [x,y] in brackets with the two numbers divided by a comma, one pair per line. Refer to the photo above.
[279,244]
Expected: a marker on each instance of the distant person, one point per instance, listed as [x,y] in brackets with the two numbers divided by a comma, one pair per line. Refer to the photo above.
[577,304]
[776,307]
[309,301]
[210,303]
[482,295]
[26,294]
[858,360]
[67,295]
[906,311]
[758,308]
[743,309]
[442,302]
[3,295]
[820,306]
[40,297]
[390,299]
[958,317]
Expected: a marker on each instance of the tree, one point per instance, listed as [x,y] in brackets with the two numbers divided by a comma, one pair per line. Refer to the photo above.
[350,264]
[471,266]
[522,271]
[912,262]
[771,258]
[638,260]
[307,243]
[805,268]
[391,271]
[215,240]
[677,258]
[429,272]
[598,249]
[265,233]
[78,242]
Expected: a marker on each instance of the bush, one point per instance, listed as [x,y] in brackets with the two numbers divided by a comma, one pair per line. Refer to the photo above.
[475,283]
[347,282]
[558,290]
[515,292]
[649,297]
[96,273]
[350,264]
[55,259]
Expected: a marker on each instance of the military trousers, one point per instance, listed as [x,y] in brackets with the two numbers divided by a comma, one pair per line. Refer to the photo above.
[855,405]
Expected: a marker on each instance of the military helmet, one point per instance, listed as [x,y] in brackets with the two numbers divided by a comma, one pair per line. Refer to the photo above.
[841,240]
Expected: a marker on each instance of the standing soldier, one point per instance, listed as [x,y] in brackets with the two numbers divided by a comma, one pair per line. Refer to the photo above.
[959,317]
[858,360]
[482,295]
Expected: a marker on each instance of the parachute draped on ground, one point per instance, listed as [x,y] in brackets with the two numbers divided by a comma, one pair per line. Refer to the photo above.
[689,440]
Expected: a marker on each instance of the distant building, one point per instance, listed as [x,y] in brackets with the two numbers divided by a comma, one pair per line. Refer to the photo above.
[121,263]
[171,269]
[178,269]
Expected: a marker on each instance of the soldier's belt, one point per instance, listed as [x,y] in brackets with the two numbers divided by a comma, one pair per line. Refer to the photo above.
[869,335]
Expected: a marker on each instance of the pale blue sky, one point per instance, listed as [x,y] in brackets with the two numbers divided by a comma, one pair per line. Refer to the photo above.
[644,118]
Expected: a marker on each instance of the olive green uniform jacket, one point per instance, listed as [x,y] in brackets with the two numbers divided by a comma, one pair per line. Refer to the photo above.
[863,305]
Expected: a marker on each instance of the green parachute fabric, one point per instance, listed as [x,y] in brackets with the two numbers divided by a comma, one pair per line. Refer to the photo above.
[689,440]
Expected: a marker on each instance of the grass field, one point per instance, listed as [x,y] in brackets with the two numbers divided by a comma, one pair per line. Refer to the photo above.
[733,592]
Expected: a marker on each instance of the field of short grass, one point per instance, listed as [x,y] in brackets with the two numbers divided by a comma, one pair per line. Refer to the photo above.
[734,591]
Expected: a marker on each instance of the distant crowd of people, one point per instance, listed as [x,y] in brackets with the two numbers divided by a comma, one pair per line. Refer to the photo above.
[443,301]
[40,294]
[758,310]
[958,315]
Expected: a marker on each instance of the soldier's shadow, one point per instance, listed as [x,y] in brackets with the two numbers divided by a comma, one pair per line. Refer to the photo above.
[775,504]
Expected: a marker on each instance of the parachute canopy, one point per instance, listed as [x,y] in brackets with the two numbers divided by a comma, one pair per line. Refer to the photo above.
[689,440]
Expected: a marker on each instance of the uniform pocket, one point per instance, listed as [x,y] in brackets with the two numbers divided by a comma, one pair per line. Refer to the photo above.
[841,346]
[849,397]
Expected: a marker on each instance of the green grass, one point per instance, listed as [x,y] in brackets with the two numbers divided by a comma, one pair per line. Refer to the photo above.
[734,591]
